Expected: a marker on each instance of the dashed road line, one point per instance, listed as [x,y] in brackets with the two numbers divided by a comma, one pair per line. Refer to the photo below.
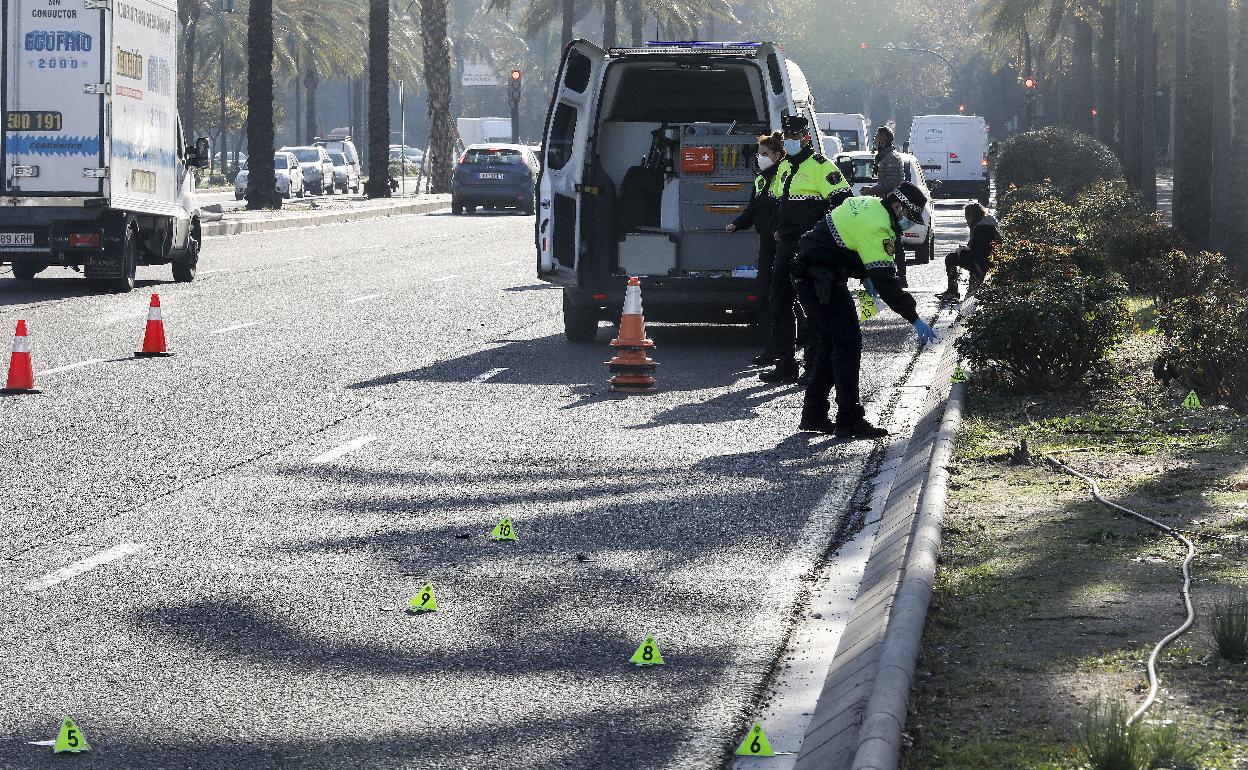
[346,448]
[67,367]
[484,376]
[365,298]
[446,278]
[236,327]
[210,272]
[298,259]
[85,565]
[512,262]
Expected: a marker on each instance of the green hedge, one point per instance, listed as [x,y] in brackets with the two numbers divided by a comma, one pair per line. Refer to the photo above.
[1069,160]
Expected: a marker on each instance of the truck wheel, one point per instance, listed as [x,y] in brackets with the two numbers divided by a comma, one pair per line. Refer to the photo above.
[580,324]
[184,266]
[129,261]
[457,209]
[25,271]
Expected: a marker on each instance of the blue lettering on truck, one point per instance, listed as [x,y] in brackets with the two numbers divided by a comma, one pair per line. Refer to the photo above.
[58,40]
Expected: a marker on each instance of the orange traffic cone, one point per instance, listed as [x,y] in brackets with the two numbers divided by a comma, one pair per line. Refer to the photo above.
[154,337]
[632,367]
[21,371]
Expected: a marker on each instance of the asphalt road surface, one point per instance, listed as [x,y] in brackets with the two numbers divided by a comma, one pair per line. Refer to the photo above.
[207,556]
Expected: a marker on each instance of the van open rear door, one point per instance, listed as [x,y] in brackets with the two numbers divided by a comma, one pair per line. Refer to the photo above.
[568,124]
[779,90]
[54,97]
[931,147]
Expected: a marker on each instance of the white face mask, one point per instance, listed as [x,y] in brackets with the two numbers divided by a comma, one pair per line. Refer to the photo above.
[765,162]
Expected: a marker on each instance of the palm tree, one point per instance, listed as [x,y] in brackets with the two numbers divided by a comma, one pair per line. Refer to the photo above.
[1237,236]
[1193,177]
[1106,48]
[437,63]
[262,180]
[378,185]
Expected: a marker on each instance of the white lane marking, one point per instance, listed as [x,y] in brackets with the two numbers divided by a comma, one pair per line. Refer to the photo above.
[365,297]
[67,367]
[236,327]
[487,375]
[512,262]
[210,272]
[71,571]
[297,259]
[337,452]
[446,278]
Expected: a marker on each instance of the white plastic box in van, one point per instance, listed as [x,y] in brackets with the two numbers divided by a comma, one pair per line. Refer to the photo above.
[650,153]
[953,149]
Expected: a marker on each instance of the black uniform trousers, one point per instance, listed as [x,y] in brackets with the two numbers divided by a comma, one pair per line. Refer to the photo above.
[766,264]
[837,354]
[786,314]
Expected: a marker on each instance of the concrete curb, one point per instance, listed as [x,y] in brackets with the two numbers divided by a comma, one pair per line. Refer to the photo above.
[862,706]
[213,229]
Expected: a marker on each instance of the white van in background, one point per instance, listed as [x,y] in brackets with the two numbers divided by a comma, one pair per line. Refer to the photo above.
[483,130]
[954,150]
[649,153]
[850,128]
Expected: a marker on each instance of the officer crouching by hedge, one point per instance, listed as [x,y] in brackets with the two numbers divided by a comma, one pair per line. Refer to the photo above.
[857,239]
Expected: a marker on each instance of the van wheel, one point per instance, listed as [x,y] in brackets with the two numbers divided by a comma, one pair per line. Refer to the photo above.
[184,266]
[26,271]
[580,324]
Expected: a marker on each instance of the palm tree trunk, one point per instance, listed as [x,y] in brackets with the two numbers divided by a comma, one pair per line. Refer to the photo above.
[1195,173]
[1219,40]
[1178,87]
[568,16]
[1128,136]
[1106,115]
[187,108]
[378,185]
[310,81]
[636,20]
[437,61]
[262,180]
[1146,84]
[1237,240]
[610,18]
[1080,117]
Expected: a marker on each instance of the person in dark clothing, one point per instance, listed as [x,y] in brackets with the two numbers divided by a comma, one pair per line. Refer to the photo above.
[805,184]
[855,240]
[760,214]
[976,256]
[889,172]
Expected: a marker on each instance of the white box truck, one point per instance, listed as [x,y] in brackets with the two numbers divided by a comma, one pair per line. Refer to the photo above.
[96,171]
[953,150]
[849,127]
[483,130]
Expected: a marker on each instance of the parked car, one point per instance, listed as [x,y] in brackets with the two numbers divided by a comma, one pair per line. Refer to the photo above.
[346,175]
[289,177]
[318,169]
[339,141]
[494,175]
[226,159]
[859,168]
[413,154]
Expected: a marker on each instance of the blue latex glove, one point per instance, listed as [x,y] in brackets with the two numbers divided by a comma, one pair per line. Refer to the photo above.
[870,287]
[926,335]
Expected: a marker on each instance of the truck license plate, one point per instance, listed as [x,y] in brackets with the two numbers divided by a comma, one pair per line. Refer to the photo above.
[17,239]
[491,176]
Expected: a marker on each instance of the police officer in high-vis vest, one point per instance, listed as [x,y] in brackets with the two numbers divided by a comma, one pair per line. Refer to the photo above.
[806,185]
[760,214]
[857,239]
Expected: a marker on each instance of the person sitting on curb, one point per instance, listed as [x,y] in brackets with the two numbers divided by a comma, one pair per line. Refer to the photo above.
[976,256]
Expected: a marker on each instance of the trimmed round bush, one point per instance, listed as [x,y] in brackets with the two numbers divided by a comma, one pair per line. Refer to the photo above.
[1070,160]
[1207,342]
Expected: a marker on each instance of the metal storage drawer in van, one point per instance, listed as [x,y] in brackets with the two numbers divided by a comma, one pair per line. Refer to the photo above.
[710,216]
[710,191]
[647,254]
[717,251]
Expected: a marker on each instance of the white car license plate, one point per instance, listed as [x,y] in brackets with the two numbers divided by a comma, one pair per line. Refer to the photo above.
[491,176]
[17,239]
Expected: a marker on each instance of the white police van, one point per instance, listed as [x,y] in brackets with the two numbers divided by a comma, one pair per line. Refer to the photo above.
[649,154]
[953,149]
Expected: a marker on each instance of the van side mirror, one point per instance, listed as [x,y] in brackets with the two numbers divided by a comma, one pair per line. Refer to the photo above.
[202,155]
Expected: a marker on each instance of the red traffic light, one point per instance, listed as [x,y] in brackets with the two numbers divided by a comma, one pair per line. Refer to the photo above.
[1029,83]
[961,108]
[862,46]
[515,74]
[1094,112]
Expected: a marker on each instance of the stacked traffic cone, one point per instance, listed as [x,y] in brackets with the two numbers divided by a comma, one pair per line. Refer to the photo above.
[21,370]
[154,337]
[631,366]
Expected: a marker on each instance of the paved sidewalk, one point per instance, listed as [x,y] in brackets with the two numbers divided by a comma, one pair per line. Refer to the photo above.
[322,210]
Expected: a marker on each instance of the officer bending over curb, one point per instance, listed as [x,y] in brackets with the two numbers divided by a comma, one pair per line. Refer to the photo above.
[857,239]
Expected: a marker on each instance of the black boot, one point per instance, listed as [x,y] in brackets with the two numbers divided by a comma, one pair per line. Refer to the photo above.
[785,372]
[951,294]
[763,359]
[859,428]
[816,424]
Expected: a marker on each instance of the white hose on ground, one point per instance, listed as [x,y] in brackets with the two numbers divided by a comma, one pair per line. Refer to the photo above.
[1187,575]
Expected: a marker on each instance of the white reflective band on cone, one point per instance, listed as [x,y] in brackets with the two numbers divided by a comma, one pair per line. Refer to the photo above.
[632,300]
[21,344]
[153,314]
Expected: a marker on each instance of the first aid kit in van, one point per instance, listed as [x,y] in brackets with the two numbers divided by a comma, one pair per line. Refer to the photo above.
[697,160]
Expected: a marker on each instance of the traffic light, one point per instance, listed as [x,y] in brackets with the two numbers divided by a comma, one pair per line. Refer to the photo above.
[862,46]
[514,85]
[1094,112]
[513,93]
[961,108]
[1030,84]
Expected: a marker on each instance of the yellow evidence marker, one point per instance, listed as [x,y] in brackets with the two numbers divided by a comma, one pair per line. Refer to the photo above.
[755,744]
[424,601]
[1192,401]
[959,375]
[503,530]
[648,653]
[867,303]
[70,739]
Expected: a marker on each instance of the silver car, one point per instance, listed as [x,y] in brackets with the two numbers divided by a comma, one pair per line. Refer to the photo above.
[346,174]
[285,168]
[318,169]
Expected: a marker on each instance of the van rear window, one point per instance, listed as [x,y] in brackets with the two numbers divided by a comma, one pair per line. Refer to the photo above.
[690,94]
